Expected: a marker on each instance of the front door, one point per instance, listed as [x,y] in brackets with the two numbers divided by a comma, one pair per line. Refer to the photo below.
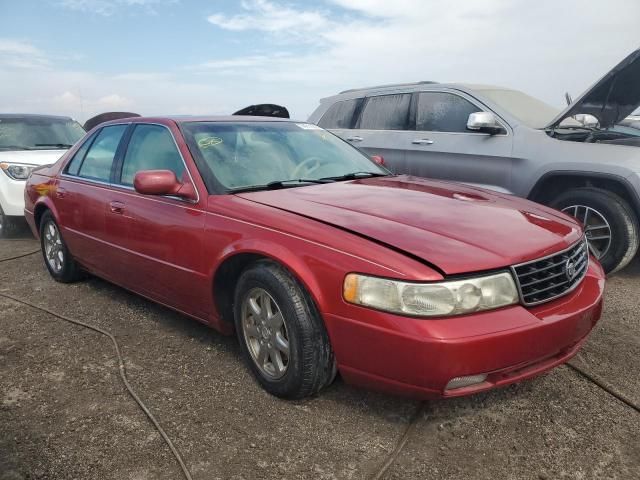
[159,238]
[442,147]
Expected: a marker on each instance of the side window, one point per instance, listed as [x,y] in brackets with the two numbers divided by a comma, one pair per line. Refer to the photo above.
[76,161]
[443,112]
[151,147]
[340,114]
[386,112]
[99,159]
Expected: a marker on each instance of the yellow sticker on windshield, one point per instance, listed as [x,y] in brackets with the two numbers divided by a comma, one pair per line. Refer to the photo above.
[209,142]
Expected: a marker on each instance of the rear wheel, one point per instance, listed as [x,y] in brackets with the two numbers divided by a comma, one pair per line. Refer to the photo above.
[281,332]
[59,261]
[610,226]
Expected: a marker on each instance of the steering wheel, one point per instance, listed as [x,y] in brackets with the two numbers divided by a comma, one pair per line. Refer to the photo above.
[310,165]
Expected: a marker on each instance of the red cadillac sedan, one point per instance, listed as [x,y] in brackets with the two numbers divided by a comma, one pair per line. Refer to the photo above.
[320,259]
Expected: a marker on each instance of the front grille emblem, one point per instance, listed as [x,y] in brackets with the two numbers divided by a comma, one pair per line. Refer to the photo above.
[570,269]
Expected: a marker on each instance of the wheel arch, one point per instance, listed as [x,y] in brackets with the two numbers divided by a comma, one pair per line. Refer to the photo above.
[551,184]
[237,258]
[41,206]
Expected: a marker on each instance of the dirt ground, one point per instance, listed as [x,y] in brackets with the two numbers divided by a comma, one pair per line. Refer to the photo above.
[64,413]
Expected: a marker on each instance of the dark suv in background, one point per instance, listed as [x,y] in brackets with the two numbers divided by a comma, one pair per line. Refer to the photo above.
[576,160]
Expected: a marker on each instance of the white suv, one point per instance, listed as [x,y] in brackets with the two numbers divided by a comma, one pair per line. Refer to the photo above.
[28,141]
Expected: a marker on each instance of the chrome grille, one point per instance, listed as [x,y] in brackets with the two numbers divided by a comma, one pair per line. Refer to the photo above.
[553,276]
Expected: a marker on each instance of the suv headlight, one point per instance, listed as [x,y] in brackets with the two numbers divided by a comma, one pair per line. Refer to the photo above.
[431,299]
[17,171]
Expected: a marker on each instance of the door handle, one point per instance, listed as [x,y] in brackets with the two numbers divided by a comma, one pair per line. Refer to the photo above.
[422,141]
[60,192]
[354,139]
[117,208]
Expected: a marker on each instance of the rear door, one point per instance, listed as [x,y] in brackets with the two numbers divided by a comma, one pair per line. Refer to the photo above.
[81,197]
[384,127]
[159,238]
[442,147]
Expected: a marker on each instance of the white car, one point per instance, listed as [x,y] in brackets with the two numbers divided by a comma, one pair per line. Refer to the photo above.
[28,141]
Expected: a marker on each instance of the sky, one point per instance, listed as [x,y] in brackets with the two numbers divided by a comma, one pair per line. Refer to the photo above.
[154,57]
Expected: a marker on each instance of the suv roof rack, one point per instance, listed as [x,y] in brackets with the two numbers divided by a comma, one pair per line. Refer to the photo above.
[389,85]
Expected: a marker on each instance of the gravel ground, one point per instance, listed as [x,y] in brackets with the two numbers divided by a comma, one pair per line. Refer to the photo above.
[65,415]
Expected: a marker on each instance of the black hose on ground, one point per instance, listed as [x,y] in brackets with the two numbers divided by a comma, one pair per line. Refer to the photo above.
[402,441]
[604,386]
[123,375]
[19,256]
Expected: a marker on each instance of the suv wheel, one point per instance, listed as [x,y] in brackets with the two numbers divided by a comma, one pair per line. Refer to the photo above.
[8,225]
[61,265]
[281,333]
[610,226]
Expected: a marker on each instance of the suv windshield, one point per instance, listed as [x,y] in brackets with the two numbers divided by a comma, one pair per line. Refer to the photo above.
[38,133]
[255,155]
[529,110]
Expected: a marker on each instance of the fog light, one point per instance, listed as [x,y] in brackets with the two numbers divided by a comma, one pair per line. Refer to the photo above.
[459,382]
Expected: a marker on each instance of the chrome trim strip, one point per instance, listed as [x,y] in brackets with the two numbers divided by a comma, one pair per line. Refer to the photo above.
[578,281]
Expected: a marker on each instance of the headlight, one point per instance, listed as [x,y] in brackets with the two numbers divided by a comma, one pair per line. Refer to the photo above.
[431,299]
[17,171]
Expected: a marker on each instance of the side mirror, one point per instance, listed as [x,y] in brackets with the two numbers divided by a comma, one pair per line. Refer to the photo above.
[484,122]
[379,159]
[162,182]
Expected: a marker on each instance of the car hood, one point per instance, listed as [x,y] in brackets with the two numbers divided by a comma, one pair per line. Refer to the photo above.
[455,228]
[611,98]
[32,157]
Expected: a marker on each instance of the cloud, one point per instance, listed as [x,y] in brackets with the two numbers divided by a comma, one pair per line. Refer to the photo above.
[278,19]
[295,53]
[109,7]
[20,54]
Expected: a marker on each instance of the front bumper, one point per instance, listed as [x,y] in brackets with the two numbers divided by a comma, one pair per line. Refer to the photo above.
[418,357]
[11,195]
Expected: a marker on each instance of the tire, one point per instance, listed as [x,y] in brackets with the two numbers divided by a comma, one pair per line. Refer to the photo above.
[310,364]
[69,271]
[9,226]
[616,212]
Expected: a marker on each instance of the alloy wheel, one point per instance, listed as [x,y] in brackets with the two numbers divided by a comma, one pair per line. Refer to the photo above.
[597,229]
[265,333]
[53,248]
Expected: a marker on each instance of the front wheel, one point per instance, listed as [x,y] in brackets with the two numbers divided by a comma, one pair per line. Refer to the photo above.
[61,265]
[610,226]
[8,225]
[281,332]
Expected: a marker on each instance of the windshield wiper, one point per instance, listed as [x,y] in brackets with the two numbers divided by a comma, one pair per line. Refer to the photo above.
[295,182]
[15,147]
[356,175]
[56,145]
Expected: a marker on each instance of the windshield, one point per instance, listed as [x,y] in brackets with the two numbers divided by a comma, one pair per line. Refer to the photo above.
[528,110]
[38,133]
[237,155]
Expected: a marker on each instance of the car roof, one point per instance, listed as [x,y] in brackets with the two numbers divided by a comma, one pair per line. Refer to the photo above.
[200,118]
[410,87]
[33,115]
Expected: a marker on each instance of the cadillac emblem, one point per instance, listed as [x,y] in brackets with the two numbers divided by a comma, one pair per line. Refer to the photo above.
[570,270]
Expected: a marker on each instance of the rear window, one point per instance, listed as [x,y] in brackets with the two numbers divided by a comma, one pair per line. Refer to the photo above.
[341,114]
[386,112]
[99,159]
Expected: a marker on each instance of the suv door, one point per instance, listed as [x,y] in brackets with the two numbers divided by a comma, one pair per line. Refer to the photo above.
[159,238]
[384,127]
[442,147]
[81,197]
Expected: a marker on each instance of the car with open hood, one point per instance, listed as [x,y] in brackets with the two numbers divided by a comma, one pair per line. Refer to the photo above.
[319,258]
[28,141]
[510,142]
